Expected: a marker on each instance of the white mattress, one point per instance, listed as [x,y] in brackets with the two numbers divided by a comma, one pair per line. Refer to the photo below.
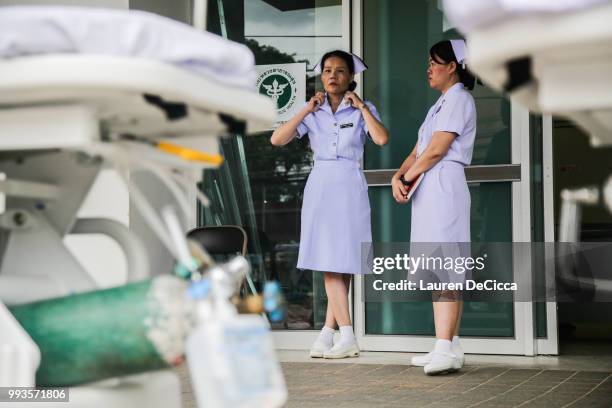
[467,15]
[569,47]
[35,30]
[114,87]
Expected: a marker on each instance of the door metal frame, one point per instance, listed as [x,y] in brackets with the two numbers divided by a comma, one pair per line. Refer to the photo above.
[474,174]
[523,342]
[549,344]
[524,324]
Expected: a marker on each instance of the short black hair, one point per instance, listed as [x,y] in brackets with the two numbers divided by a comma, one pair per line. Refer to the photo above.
[442,53]
[346,57]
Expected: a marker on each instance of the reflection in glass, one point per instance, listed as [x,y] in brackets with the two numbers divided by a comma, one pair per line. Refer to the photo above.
[479,319]
[396,82]
[303,33]
[260,186]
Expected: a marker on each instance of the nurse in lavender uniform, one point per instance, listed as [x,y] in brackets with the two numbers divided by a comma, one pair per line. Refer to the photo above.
[336,208]
[441,202]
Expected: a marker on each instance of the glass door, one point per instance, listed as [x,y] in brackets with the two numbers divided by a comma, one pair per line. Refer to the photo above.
[394,38]
[260,186]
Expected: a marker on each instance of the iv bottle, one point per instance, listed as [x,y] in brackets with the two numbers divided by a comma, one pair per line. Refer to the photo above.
[232,359]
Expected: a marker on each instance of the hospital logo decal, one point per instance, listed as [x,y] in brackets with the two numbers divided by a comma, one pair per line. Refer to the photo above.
[280,85]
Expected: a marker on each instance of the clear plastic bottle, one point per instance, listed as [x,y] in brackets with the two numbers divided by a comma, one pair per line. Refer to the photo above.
[231,357]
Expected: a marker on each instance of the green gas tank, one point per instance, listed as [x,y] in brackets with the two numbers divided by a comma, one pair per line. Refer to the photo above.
[109,333]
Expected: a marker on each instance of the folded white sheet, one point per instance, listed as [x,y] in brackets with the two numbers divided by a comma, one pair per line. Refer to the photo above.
[31,30]
[467,15]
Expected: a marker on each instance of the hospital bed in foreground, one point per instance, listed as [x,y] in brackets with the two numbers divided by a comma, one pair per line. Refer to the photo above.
[553,57]
[64,117]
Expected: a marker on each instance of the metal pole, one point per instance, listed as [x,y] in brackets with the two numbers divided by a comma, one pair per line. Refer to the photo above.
[200,8]
[222,18]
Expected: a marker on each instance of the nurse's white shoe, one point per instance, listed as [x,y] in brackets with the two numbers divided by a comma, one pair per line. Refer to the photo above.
[442,363]
[343,350]
[318,348]
[422,361]
[459,354]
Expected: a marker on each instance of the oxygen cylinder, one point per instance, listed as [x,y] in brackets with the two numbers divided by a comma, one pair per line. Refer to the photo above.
[109,333]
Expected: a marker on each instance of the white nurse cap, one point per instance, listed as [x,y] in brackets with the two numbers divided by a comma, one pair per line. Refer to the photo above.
[360,66]
[460,51]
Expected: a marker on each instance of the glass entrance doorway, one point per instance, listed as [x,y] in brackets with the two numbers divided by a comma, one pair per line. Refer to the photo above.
[394,39]
[260,187]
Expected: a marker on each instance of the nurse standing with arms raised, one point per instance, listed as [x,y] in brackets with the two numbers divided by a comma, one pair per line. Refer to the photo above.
[441,203]
[336,208]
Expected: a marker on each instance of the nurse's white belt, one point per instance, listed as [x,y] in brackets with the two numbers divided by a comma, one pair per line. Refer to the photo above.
[571,62]
[111,90]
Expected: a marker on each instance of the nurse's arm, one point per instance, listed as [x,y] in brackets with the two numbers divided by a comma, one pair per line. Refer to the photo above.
[376,129]
[397,187]
[406,164]
[288,130]
[437,149]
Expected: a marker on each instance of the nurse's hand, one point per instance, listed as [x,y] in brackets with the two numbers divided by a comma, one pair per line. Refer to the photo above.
[315,102]
[400,193]
[354,100]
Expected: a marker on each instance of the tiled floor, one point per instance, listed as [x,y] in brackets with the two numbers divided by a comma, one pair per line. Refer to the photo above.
[371,385]
[581,377]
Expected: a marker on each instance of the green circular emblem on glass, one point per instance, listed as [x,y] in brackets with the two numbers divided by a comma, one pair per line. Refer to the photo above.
[280,85]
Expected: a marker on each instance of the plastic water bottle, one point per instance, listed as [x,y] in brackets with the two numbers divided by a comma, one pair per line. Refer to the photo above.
[231,357]
[274,301]
[233,363]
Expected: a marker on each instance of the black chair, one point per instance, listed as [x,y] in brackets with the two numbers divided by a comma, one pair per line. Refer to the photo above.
[223,240]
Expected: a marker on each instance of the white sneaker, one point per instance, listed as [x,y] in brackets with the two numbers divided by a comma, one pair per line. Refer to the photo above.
[442,363]
[318,348]
[422,361]
[342,350]
[459,354]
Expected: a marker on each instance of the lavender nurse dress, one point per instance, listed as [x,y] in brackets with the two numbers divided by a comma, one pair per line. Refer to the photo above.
[441,204]
[336,208]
